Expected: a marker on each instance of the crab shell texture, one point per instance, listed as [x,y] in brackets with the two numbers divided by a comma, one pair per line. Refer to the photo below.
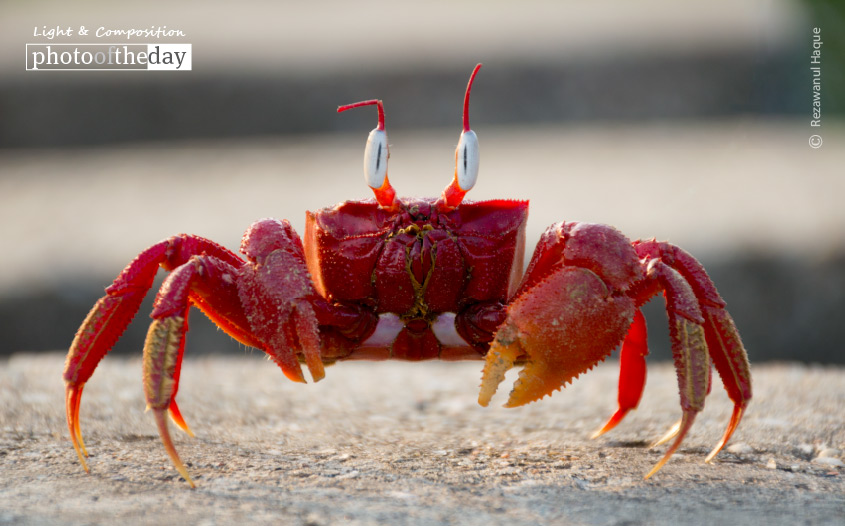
[416,266]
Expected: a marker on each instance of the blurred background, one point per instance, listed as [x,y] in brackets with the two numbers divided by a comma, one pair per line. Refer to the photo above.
[688,121]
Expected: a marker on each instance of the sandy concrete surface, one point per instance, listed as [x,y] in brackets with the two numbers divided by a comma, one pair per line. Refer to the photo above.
[398,443]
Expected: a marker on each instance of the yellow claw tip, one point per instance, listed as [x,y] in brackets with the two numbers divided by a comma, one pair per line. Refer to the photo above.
[184,473]
[78,435]
[73,400]
[81,458]
[611,422]
[672,433]
[680,430]
[598,433]
[176,418]
[657,466]
[732,425]
[161,422]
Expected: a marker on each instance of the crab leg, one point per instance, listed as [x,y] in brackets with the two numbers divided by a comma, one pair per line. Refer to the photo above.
[689,349]
[723,342]
[266,303]
[279,297]
[162,358]
[209,284]
[731,362]
[632,372]
[102,327]
[112,313]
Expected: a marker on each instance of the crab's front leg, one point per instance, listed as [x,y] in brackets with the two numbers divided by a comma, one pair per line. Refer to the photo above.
[270,297]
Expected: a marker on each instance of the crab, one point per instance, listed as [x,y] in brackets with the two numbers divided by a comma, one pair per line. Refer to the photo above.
[421,279]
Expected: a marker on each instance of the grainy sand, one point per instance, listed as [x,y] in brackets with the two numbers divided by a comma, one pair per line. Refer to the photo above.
[399,443]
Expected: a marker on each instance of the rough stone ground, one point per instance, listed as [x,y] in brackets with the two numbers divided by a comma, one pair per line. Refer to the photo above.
[394,443]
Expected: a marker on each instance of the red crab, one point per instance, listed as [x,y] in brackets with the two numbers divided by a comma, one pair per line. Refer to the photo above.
[421,279]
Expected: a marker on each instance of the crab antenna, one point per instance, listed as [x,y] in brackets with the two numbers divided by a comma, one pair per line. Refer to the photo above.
[376,154]
[378,103]
[466,157]
[466,97]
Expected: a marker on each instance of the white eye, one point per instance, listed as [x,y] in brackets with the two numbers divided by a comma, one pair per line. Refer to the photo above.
[467,160]
[375,159]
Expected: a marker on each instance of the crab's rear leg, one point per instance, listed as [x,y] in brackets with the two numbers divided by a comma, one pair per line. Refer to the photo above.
[689,350]
[112,313]
[723,341]
[632,372]
[577,302]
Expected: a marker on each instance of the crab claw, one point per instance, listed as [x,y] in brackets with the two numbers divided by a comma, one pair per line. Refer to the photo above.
[73,398]
[560,327]
[162,356]
[281,311]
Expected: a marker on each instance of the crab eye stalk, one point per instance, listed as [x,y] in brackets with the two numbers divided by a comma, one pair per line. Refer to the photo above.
[466,161]
[376,154]
[466,157]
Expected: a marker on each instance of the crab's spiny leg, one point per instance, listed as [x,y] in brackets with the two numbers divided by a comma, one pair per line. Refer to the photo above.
[683,426]
[112,313]
[668,435]
[176,417]
[173,408]
[731,361]
[201,277]
[73,395]
[724,344]
[632,372]
[735,418]
[165,341]
[101,329]
[689,349]
[161,422]
[245,302]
